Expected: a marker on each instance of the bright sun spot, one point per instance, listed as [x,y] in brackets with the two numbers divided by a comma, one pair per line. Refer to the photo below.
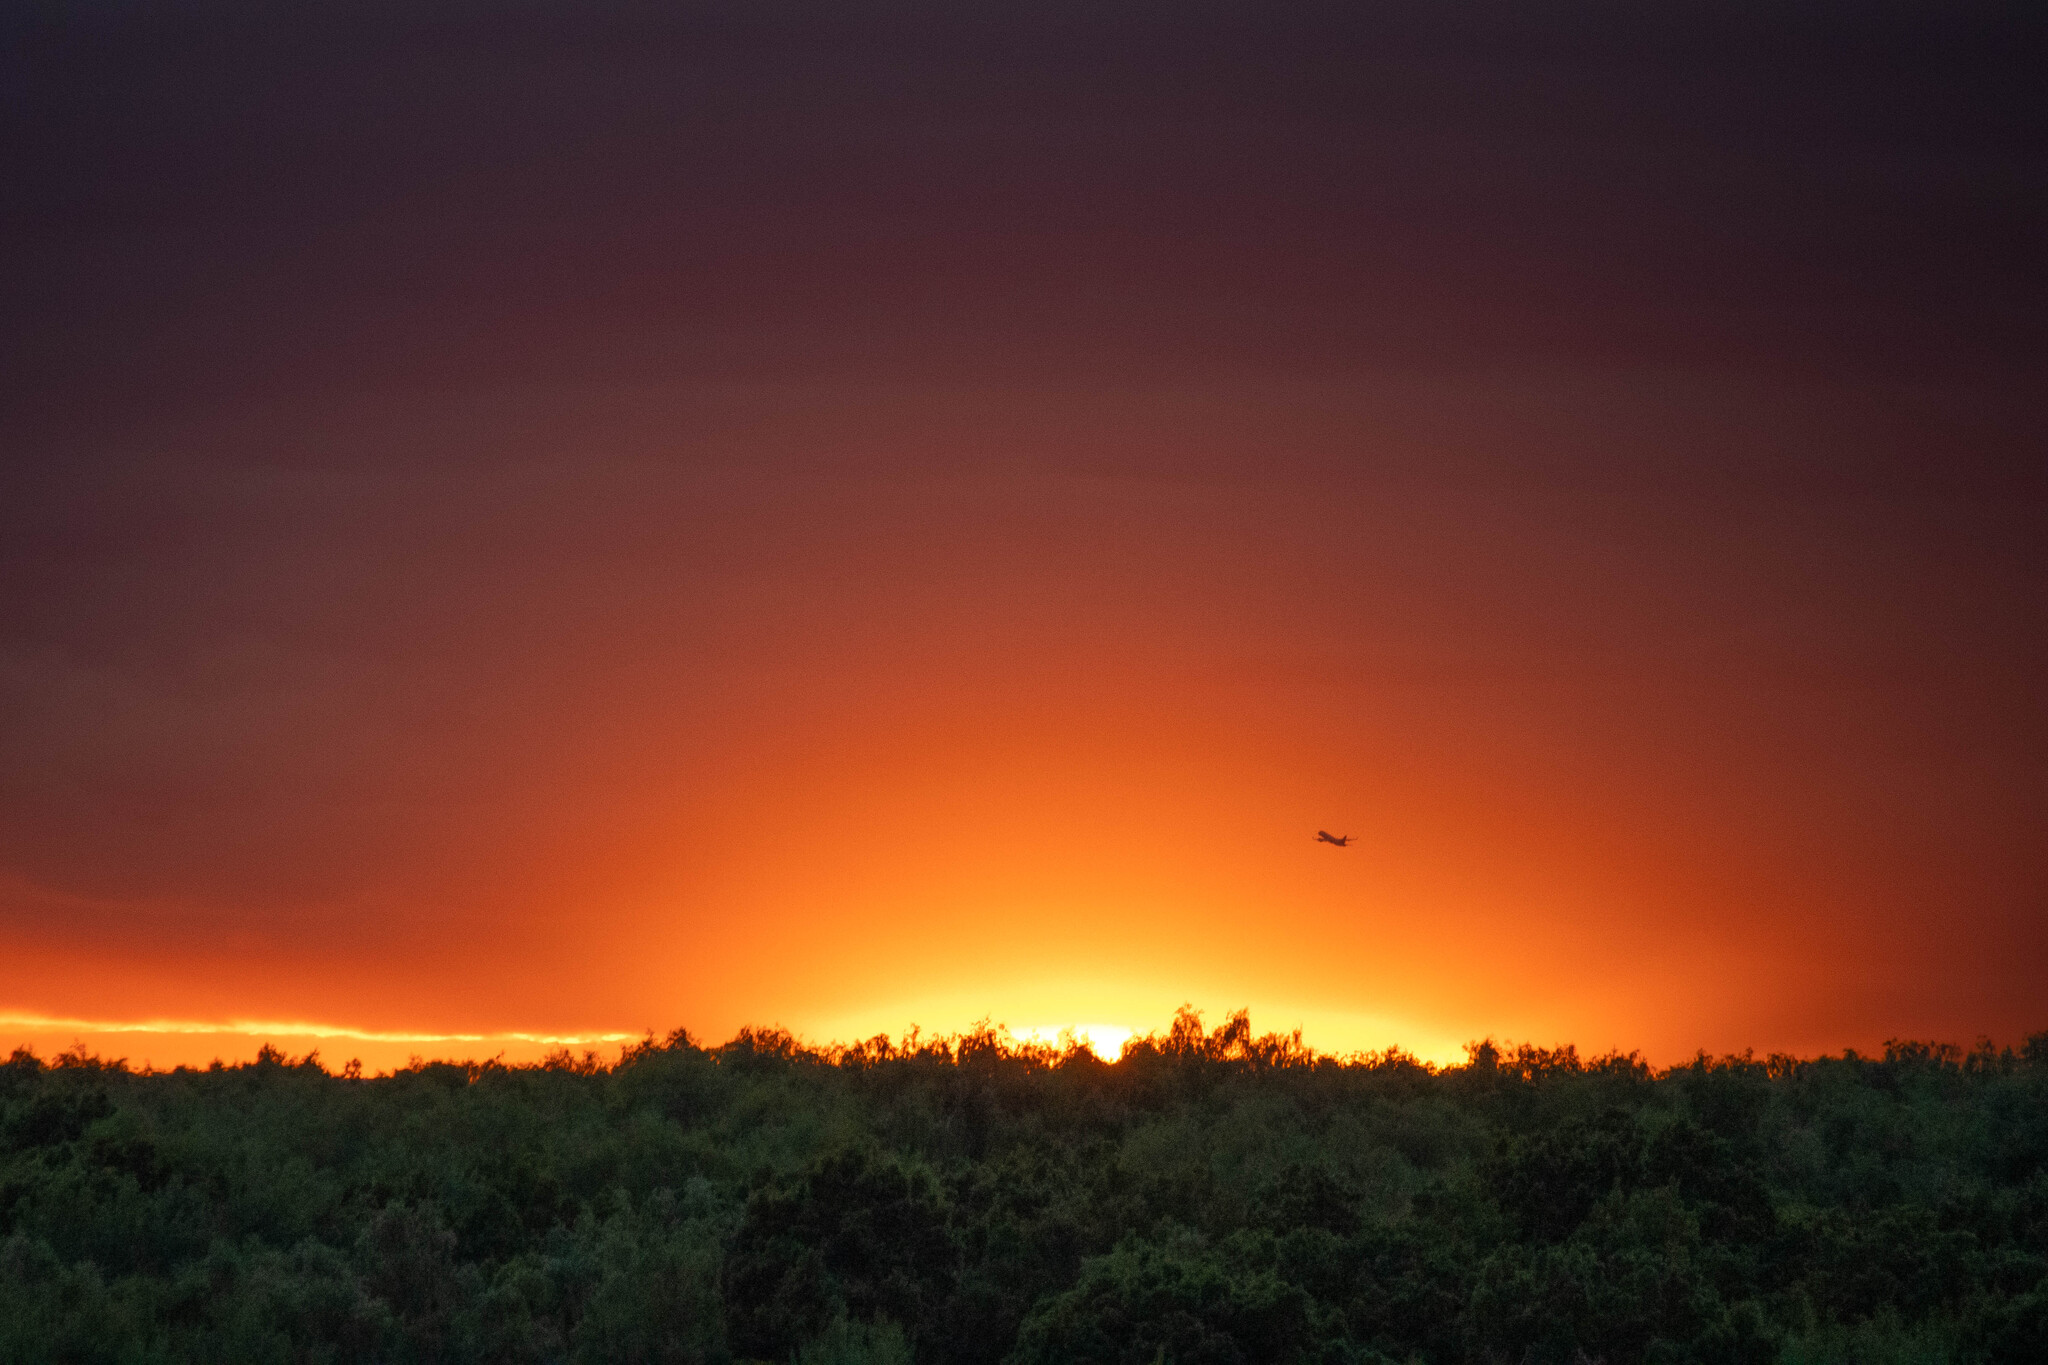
[1104,1040]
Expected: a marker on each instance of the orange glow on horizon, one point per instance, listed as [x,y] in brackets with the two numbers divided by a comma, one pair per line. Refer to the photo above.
[1104,1040]
[164,1044]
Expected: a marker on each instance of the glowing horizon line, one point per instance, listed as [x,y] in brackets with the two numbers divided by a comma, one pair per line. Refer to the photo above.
[1104,1040]
[1092,1035]
[259,1027]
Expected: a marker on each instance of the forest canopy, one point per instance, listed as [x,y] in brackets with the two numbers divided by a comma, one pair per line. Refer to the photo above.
[1214,1196]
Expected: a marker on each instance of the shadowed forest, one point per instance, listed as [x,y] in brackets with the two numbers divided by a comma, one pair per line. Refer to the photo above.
[1213,1197]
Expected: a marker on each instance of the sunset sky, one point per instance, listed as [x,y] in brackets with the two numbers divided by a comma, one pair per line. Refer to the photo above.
[526,522]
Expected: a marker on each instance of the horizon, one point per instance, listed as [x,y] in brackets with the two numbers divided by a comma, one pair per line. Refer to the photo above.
[1109,1045]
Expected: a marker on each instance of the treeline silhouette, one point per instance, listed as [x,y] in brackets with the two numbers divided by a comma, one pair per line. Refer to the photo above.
[1213,1197]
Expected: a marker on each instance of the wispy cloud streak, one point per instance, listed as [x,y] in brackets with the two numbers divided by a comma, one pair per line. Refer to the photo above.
[255,1028]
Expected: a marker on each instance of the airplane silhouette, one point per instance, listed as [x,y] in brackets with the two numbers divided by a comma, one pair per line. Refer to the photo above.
[1324,836]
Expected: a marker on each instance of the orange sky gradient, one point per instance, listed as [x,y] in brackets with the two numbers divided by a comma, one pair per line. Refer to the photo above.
[1048,747]
[904,528]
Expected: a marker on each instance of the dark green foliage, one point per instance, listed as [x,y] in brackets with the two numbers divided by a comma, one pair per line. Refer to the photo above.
[1549,1180]
[853,1237]
[1176,1300]
[1215,1197]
